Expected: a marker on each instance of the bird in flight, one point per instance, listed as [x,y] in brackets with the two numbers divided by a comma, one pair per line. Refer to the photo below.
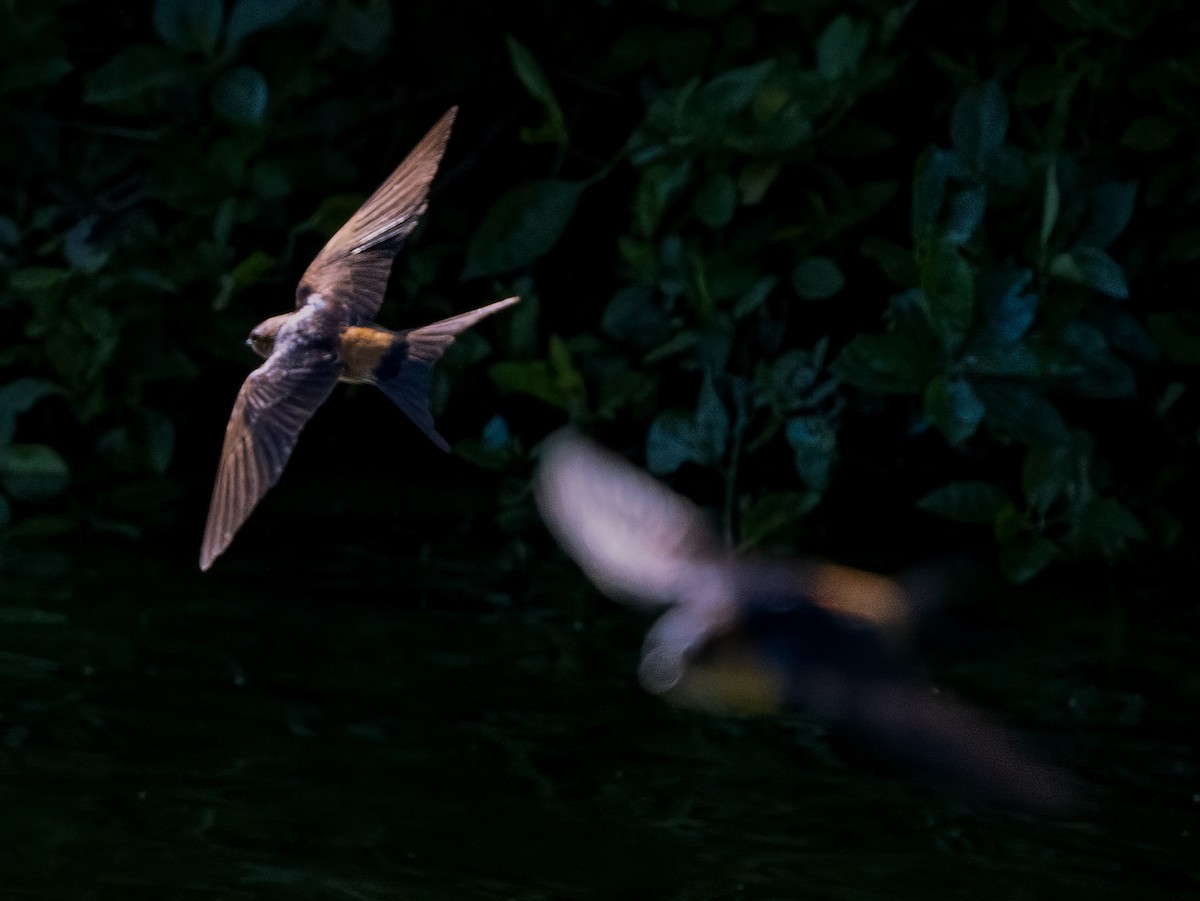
[750,634]
[329,338]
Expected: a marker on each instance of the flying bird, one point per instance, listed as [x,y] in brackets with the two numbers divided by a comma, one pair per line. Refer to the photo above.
[329,338]
[748,633]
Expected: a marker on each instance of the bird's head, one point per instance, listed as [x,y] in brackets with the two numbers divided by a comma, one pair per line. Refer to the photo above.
[262,336]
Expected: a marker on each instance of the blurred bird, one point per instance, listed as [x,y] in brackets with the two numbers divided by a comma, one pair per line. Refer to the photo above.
[747,633]
[330,338]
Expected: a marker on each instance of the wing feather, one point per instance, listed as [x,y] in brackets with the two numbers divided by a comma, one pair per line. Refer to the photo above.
[633,536]
[352,269]
[273,405]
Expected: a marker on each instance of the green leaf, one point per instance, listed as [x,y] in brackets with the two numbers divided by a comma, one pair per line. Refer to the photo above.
[1050,204]
[1024,556]
[5,511]
[144,446]
[886,363]
[240,95]
[1107,525]
[331,214]
[33,72]
[126,81]
[250,16]
[634,317]
[1012,311]
[17,397]
[554,380]
[1150,134]
[535,378]
[81,251]
[530,74]
[717,103]
[364,29]
[716,201]
[43,528]
[1048,469]
[659,185]
[756,179]
[1093,268]
[712,425]
[1127,334]
[39,280]
[251,269]
[1111,209]
[1089,365]
[622,387]
[755,296]
[676,438]
[949,288]
[772,512]
[935,168]
[521,227]
[1016,412]
[270,180]
[669,442]
[817,278]
[979,123]
[188,24]
[964,215]
[10,232]
[954,407]
[33,471]
[967,502]
[840,47]
[895,260]
[814,445]
[792,381]
[496,434]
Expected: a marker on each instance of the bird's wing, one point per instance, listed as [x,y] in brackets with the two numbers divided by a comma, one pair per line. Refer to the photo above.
[352,269]
[935,733]
[274,403]
[634,537]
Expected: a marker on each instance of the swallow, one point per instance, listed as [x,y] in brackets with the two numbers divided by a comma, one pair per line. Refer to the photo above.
[329,338]
[752,634]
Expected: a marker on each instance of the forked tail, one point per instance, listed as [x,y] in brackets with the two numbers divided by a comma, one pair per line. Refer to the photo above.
[404,374]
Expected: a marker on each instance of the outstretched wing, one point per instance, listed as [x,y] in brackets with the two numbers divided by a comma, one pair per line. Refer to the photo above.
[634,537]
[274,403]
[352,269]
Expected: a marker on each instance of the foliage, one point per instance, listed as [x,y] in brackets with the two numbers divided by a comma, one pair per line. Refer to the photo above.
[819,261]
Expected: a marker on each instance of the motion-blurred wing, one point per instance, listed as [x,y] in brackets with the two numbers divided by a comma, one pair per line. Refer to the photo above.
[635,539]
[934,733]
[353,268]
[274,403]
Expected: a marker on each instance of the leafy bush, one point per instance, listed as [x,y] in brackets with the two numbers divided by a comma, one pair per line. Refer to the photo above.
[817,261]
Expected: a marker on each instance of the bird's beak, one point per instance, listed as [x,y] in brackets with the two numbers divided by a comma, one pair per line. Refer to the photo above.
[249,343]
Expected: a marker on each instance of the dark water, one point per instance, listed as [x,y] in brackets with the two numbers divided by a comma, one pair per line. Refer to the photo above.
[390,717]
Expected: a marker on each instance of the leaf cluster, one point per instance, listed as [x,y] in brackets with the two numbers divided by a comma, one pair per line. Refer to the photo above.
[816,261]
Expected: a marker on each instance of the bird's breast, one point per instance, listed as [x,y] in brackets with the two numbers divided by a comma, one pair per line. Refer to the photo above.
[363,350]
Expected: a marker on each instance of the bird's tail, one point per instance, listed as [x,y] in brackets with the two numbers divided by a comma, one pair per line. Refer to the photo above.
[405,376]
